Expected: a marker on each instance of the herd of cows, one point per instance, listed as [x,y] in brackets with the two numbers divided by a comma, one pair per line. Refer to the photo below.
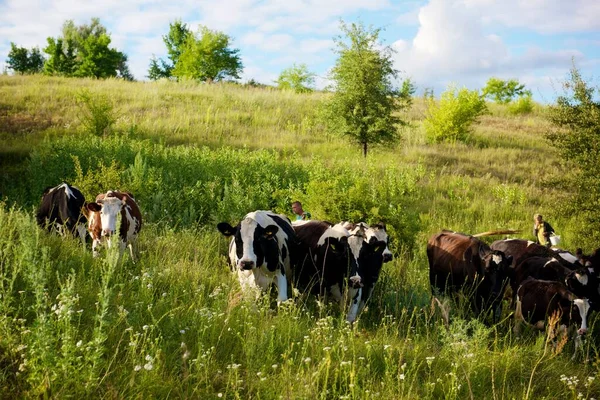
[327,259]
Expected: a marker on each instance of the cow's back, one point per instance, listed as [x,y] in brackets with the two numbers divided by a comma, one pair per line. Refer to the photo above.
[450,257]
[62,205]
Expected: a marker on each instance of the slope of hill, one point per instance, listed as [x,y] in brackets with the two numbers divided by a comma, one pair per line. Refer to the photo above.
[174,323]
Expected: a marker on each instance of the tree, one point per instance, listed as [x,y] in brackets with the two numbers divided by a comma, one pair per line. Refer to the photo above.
[576,117]
[207,57]
[364,98]
[504,91]
[451,119]
[23,61]
[296,78]
[174,40]
[85,51]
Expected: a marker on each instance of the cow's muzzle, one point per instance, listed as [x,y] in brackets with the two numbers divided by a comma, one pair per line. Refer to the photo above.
[581,331]
[355,282]
[388,257]
[246,265]
[107,232]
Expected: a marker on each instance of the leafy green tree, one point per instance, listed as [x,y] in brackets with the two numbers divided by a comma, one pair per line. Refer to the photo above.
[23,61]
[61,57]
[364,99]
[174,41]
[85,51]
[297,78]
[576,117]
[503,91]
[450,120]
[207,57]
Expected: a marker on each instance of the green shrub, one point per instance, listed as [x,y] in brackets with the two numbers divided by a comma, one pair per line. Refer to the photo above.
[451,119]
[522,105]
[97,112]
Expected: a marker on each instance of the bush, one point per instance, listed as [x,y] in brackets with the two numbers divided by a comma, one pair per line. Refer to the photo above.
[522,105]
[451,119]
[97,113]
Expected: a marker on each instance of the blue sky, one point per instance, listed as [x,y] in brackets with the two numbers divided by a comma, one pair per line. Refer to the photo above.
[438,42]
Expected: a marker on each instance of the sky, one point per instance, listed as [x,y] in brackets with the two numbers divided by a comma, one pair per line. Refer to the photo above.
[437,42]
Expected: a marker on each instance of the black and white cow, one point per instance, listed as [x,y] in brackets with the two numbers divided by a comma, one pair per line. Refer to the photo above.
[367,251]
[61,208]
[260,250]
[322,260]
[378,253]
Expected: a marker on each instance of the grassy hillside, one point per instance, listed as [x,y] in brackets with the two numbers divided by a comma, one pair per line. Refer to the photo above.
[174,323]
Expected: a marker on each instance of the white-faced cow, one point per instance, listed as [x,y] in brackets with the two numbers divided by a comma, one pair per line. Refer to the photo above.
[103,215]
[61,208]
[322,259]
[260,250]
[538,299]
[378,253]
[459,261]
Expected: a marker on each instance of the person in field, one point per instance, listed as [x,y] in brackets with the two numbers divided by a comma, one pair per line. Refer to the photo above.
[299,212]
[542,230]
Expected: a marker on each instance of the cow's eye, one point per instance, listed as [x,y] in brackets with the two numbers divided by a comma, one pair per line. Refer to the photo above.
[377,249]
[332,246]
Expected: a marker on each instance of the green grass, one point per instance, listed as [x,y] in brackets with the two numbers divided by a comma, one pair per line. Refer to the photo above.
[174,324]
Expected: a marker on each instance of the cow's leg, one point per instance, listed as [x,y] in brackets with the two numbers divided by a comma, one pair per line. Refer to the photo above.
[367,290]
[336,293]
[355,295]
[95,244]
[518,317]
[130,246]
[281,286]
[81,231]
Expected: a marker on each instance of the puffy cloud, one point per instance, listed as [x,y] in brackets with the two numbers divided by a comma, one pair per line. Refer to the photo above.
[453,44]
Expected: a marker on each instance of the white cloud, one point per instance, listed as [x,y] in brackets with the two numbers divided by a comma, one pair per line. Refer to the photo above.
[452,45]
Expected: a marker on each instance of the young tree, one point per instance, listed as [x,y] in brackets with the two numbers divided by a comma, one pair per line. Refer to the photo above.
[207,57]
[364,97]
[503,91]
[23,61]
[576,117]
[84,51]
[450,120]
[297,78]
[174,40]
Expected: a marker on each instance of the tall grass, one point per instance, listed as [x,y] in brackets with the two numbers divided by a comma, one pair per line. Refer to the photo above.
[174,324]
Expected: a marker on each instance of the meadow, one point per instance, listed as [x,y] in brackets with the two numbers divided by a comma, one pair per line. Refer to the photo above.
[174,324]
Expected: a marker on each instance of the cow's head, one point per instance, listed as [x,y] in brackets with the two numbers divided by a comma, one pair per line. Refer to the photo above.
[255,245]
[496,265]
[359,253]
[333,248]
[378,233]
[109,208]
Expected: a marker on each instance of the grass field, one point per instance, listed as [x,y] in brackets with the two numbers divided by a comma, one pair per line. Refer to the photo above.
[174,324]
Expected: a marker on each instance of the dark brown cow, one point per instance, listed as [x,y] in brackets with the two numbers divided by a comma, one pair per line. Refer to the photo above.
[103,215]
[457,261]
[538,299]
[580,281]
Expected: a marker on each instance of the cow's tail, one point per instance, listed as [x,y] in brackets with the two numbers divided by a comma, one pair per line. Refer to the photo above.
[500,232]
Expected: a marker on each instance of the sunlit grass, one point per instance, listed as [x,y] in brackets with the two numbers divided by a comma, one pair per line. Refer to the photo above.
[174,324]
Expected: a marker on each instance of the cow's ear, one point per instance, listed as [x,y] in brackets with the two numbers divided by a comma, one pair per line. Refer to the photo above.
[226,229]
[93,207]
[344,240]
[271,231]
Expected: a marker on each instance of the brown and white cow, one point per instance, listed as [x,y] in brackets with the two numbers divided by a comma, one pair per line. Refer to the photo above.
[458,261]
[538,299]
[103,215]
